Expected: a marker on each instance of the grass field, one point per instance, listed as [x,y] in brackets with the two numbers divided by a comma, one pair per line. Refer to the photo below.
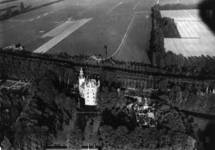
[27,3]
[196,38]
[108,27]
[137,40]
[56,31]
[30,24]
[59,36]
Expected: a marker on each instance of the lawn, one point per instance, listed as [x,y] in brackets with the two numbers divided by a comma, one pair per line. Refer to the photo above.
[107,28]
[136,43]
[30,24]
[104,29]
[62,35]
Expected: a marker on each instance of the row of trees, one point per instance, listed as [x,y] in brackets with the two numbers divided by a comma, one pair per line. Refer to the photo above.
[165,62]
[190,98]
[171,62]
[30,69]
[84,60]
[178,6]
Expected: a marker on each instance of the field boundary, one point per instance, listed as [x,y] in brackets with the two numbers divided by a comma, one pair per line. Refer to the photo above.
[136,5]
[114,7]
[125,36]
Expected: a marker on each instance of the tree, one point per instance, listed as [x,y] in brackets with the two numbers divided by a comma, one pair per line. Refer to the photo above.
[163,83]
[75,139]
[22,5]
[6,145]
[88,132]
[9,11]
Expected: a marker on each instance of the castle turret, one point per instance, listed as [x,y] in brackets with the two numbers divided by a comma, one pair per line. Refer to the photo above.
[81,82]
[81,77]
[88,89]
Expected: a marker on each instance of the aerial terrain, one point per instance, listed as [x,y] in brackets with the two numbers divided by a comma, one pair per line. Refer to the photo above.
[114,24]
[107,74]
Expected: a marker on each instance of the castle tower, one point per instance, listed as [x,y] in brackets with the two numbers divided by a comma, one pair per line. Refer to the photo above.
[81,77]
[81,83]
[88,89]
[90,94]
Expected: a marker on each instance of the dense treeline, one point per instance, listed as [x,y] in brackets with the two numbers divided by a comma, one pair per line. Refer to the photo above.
[33,117]
[82,60]
[177,6]
[170,62]
[47,107]
[176,63]
[171,132]
[11,105]
[165,24]
[116,127]
[189,96]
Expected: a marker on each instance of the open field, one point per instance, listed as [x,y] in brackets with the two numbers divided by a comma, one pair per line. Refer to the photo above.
[164,2]
[182,15]
[136,40]
[35,23]
[58,37]
[56,31]
[104,30]
[109,29]
[109,24]
[197,39]
[16,4]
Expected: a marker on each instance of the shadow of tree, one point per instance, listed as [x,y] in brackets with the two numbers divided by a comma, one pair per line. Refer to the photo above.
[209,137]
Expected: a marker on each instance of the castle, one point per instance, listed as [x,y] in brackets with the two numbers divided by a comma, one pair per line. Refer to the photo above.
[88,89]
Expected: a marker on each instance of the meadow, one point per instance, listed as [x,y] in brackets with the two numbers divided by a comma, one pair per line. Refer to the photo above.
[110,22]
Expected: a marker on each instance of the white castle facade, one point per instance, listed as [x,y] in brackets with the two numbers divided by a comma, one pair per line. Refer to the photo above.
[88,89]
